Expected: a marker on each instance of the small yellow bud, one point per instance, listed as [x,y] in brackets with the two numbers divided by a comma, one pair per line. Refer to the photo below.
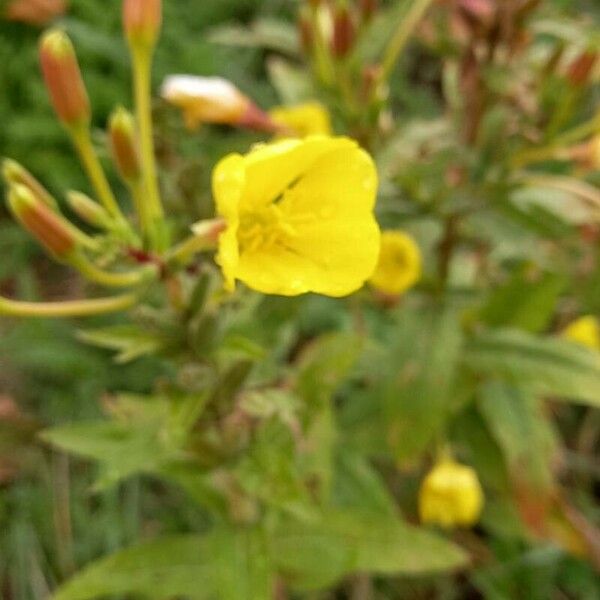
[142,21]
[63,78]
[16,174]
[88,210]
[450,495]
[51,230]
[584,331]
[302,120]
[123,142]
[399,265]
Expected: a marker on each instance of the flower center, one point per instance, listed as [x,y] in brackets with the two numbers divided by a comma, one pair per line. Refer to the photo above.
[263,229]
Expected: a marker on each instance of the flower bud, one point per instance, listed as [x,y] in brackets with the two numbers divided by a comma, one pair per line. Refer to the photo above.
[213,100]
[580,70]
[63,78]
[450,495]
[124,144]
[42,222]
[344,32]
[584,331]
[88,210]
[368,8]
[35,12]
[142,21]
[16,174]
[399,265]
[305,31]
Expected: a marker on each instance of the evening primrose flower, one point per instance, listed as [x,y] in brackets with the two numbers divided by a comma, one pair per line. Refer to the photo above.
[399,265]
[299,217]
[584,331]
[213,100]
[302,120]
[450,495]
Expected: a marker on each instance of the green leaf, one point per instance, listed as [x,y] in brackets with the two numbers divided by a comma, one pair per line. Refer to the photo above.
[145,434]
[130,341]
[515,418]
[379,32]
[419,391]
[314,554]
[524,302]
[292,83]
[357,484]
[325,364]
[226,564]
[552,366]
[272,34]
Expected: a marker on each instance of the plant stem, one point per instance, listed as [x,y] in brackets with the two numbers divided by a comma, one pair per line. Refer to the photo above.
[142,91]
[106,278]
[72,308]
[322,56]
[401,36]
[83,143]
[141,208]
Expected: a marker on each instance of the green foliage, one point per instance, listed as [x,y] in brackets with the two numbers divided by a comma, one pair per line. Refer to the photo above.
[210,445]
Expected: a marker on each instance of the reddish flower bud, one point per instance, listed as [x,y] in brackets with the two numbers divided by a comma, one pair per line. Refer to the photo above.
[15,174]
[42,222]
[88,210]
[344,32]
[35,12]
[305,31]
[142,21]
[368,8]
[124,144]
[581,68]
[63,78]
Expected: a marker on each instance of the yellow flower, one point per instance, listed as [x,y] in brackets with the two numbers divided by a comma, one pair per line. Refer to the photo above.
[303,120]
[450,495]
[399,266]
[584,331]
[299,217]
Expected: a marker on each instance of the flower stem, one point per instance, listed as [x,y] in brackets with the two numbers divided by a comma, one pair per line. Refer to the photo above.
[106,278]
[80,135]
[142,91]
[72,308]
[401,36]
[322,56]
[141,208]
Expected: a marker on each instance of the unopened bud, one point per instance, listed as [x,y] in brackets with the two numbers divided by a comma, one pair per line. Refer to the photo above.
[209,230]
[344,32]
[34,13]
[213,100]
[450,495]
[142,21]
[42,222]
[16,174]
[124,144]
[581,68]
[305,31]
[368,8]
[63,78]
[88,210]
[314,3]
